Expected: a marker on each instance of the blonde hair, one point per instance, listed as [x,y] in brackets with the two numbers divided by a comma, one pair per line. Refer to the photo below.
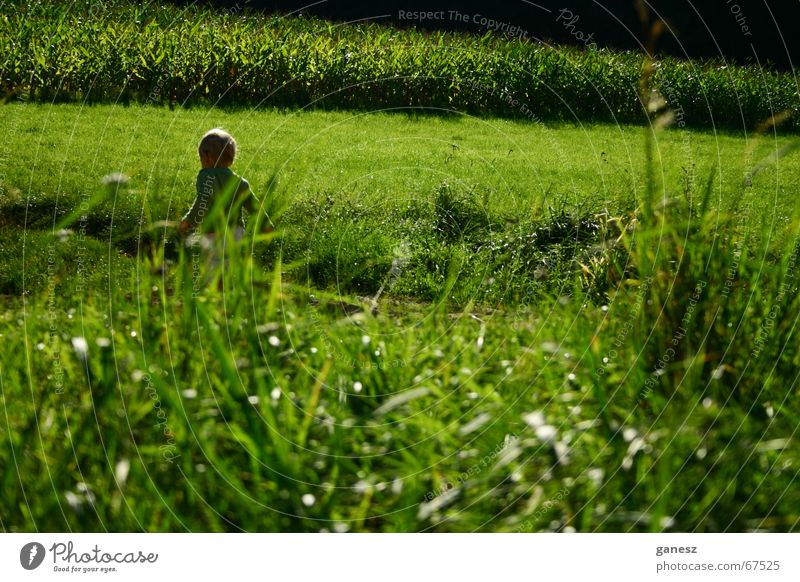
[219,145]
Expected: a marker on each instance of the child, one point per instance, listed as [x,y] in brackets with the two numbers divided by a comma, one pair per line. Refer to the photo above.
[216,179]
[223,200]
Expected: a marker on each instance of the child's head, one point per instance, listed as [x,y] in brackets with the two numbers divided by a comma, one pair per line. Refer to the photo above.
[217,149]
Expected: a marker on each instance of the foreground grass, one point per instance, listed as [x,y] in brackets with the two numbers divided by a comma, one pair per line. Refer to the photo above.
[641,376]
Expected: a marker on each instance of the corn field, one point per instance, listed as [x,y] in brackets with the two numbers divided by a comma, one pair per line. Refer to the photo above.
[122,52]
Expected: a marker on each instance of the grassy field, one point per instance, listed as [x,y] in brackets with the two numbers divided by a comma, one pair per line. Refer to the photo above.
[448,180]
[460,324]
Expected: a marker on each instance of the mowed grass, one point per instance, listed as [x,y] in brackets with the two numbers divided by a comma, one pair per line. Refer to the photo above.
[401,154]
[508,179]
[562,339]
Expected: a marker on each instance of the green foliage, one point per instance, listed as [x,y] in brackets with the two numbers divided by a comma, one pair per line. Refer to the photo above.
[531,362]
[459,215]
[155,54]
[350,256]
[201,410]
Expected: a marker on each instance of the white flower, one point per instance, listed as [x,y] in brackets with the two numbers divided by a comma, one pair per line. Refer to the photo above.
[550,347]
[81,346]
[115,179]
[546,433]
[309,500]
[267,327]
[122,469]
[534,419]
[274,341]
[73,500]
[595,475]
[362,487]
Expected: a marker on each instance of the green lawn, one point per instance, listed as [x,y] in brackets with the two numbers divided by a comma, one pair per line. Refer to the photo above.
[560,341]
[375,158]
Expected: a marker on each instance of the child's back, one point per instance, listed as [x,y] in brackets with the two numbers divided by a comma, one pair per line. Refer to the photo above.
[222,195]
[237,206]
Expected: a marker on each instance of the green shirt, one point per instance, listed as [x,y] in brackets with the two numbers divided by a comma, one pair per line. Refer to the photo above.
[212,183]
